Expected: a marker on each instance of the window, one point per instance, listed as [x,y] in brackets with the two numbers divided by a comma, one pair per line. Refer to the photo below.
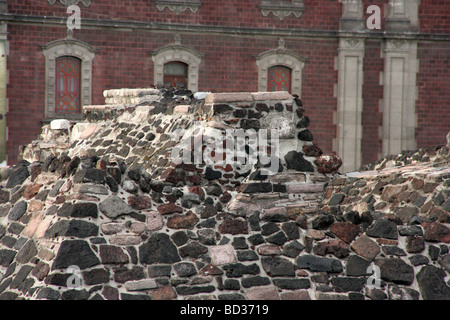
[176,62]
[68,78]
[67,85]
[176,74]
[280,69]
[279,78]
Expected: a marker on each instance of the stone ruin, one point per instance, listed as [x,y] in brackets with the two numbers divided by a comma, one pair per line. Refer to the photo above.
[102,209]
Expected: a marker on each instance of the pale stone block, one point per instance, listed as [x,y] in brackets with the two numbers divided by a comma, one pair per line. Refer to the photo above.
[138,285]
[42,228]
[263,293]
[125,240]
[221,255]
[269,250]
[33,224]
[305,188]
[112,228]
[276,95]
[60,124]
[228,97]
[154,221]
[181,109]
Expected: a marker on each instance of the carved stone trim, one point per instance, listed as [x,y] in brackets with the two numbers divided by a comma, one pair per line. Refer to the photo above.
[284,57]
[282,9]
[67,47]
[177,52]
[70,2]
[177,6]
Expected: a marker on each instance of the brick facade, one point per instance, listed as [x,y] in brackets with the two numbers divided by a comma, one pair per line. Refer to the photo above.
[229,35]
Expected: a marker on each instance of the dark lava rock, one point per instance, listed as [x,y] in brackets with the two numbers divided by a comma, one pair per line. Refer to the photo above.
[18,175]
[305,135]
[395,270]
[383,228]
[432,284]
[319,264]
[278,267]
[75,252]
[89,175]
[158,249]
[78,210]
[295,161]
[322,221]
[18,211]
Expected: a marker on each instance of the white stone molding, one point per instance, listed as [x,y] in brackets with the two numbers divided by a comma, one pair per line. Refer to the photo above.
[348,117]
[282,9]
[402,15]
[400,94]
[70,2]
[177,52]
[352,8]
[67,47]
[179,6]
[284,57]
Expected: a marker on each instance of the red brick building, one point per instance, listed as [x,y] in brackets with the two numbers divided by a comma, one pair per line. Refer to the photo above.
[369,92]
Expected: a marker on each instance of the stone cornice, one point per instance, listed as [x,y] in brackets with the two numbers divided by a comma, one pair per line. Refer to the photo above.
[70,2]
[232,31]
[179,6]
[282,10]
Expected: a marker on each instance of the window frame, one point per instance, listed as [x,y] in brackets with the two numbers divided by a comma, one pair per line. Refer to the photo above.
[181,53]
[74,48]
[284,57]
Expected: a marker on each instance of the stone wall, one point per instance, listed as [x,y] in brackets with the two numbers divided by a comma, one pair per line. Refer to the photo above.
[99,210]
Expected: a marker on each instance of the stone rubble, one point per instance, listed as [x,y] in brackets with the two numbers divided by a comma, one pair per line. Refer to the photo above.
[105,196]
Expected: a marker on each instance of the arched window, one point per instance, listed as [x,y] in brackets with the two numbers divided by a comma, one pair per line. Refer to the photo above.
[280,69]
[68,78]
[68,71]
[279,78]
[176,74]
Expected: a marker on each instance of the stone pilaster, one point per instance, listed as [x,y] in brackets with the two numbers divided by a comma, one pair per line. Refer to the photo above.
[400,94]
[350,104]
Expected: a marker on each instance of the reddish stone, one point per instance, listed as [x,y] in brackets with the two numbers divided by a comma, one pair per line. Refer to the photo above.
[31,191]
[234,226]
[417,183]
[328,163]
[346,231]
[164,293]
[170,175]
[225,198]
[436,232]
[335,247]
[366,247]
[211,270]
[110,293]
[199,191]
[140,203]
[196,180]
[187,221]
[169,208]
[312,151]
[415,244]
[429,187]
